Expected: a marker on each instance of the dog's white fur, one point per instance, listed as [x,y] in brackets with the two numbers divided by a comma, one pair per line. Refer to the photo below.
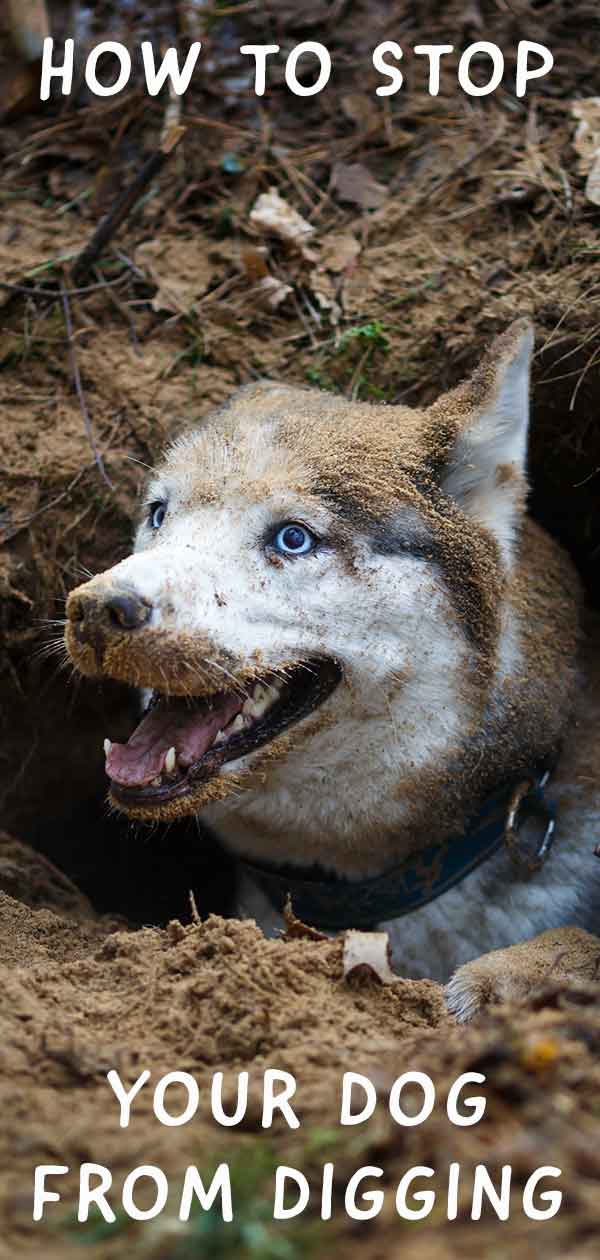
[339,791]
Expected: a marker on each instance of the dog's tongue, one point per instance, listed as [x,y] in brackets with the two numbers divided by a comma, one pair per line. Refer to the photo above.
[190,731]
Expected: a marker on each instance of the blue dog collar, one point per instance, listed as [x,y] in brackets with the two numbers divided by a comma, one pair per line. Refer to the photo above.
[336,904]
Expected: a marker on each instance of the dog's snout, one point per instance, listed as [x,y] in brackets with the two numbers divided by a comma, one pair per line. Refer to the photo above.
[97,611]
[127,610]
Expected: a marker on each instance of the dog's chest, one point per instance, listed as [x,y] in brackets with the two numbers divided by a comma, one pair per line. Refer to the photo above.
[489,909]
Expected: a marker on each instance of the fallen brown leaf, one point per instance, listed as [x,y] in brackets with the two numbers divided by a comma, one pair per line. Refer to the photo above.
[339,250]
[361,110]
[295,929]
[354,183]
[324,291]
[270,292]
[254,263]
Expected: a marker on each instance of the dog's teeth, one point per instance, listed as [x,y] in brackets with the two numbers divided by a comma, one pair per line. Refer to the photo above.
[157,781]
[270,692]
[107,747]
[237,724]
[250,708]
[266,697]
[170,761]
[261,699]
[220,737]
[255,708]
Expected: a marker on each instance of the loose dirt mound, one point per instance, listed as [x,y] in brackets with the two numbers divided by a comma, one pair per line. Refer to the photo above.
[80,998]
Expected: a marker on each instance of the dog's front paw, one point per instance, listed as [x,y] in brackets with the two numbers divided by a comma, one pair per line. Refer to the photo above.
[509,975]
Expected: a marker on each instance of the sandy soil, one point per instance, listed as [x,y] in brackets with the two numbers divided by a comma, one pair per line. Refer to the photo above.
[82,994]
[435,222]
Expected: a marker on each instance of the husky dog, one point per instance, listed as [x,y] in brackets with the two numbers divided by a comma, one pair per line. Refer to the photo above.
[359,659]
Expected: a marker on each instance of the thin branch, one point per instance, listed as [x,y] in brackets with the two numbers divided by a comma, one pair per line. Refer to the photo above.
[125,312]
[35,291]
[79,390]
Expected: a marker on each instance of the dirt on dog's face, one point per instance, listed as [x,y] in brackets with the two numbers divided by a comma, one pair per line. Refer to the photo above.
[300,558]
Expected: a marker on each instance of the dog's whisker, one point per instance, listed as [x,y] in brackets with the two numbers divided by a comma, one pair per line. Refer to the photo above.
[52,647]
[238,685]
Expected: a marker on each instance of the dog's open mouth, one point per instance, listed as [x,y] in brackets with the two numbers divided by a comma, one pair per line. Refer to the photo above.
[182,742]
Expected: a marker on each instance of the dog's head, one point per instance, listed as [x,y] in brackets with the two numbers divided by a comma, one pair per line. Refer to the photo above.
[300,556]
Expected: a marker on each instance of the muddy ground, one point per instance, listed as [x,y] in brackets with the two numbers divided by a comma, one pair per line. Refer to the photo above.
[434,222]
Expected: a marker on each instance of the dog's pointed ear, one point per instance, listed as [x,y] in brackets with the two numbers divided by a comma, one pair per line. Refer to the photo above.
[485,470]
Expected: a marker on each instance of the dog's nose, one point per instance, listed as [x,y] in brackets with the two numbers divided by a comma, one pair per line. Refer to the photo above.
[96,611]
[128,610]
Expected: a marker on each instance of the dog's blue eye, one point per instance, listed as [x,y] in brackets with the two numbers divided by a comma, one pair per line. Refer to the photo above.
[156,514]
[294,540]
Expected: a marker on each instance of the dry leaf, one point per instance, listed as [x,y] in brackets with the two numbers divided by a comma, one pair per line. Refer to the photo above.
[182,270]
[270,292]
[254,263]
[586,142]
[267,291]
[272,214]
[361,110]
[339,250]
[354,183]
[368,952]
[295,929]
[324,291]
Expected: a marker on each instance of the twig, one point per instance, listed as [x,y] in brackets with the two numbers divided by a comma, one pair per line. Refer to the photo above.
[111,221]
[203,120]
[355,382]
[36,291]
[172,119]
[79,390]
[124,311]
[193,908]
[131,265]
